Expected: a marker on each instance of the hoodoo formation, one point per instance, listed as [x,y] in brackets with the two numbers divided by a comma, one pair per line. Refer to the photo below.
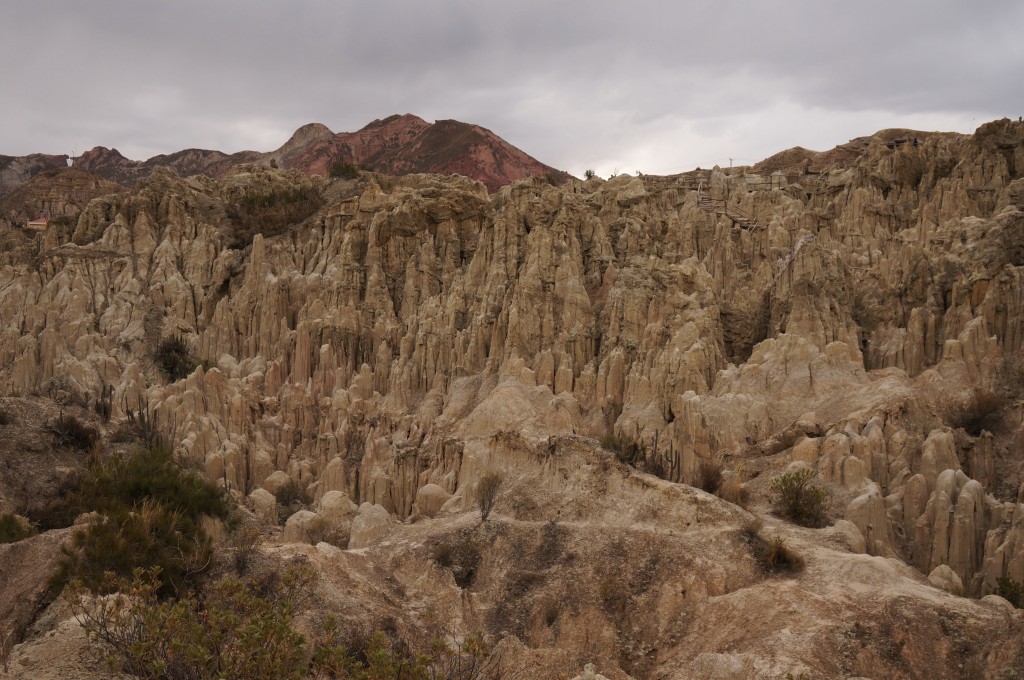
[643,363]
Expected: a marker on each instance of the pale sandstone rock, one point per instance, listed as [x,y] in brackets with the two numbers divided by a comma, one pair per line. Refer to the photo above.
[336,508]
[945,578]
[590,673]
[850,534]
[372,524]
[998,602]
[297,527]
[868,513]
[263,503]
[276,481]
[430,499]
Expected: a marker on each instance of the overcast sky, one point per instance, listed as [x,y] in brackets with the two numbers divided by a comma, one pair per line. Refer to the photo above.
[626,85]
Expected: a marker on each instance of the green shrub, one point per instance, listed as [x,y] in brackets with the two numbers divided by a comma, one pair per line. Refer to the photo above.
[149,535]
[14,529]
[150,517]
[174,357]
[1012,591]
[487,493]
[150,474]
[796,499]
[344,170]
[589,174]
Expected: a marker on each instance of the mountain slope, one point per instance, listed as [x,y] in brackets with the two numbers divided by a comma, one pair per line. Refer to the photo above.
[396,145]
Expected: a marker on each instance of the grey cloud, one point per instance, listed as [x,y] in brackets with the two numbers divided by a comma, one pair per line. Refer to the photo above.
[567,82]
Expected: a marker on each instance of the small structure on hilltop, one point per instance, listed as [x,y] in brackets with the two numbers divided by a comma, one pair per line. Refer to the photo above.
[38,224]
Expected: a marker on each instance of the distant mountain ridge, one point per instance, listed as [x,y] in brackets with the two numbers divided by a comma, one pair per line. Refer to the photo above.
[395,145]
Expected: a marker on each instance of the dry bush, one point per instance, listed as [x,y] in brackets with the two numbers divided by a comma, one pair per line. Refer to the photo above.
[709,475]
[487,493]
[461,556]
[1010,590]
[70,431]
[14,528]
[614,595]
[442,554]
[245,546]
[734,491]
[142,426]
[291,498]
[6,417]
[629,450]
[321,531]
[772,556]
[174,356]
[980,412]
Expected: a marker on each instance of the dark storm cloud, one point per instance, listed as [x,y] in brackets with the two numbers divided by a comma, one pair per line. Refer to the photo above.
[655,86]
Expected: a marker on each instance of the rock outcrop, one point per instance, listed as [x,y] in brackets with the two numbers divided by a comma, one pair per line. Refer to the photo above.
[409,335]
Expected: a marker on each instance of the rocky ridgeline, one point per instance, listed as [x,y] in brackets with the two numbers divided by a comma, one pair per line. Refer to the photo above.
[414,333]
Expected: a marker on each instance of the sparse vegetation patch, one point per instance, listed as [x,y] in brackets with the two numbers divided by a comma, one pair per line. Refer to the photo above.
[487,493]
[773,555]
[343,170]
[980,412]
[67,430]
[1012,591]
[14,528]
[270,212]
[149,516]
[174,356]
[796,498]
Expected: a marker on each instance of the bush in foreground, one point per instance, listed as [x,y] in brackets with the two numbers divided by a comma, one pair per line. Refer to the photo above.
[242,631]
[14,528]
[150,512]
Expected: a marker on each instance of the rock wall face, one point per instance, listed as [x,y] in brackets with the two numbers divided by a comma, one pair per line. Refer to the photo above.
[414,332]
